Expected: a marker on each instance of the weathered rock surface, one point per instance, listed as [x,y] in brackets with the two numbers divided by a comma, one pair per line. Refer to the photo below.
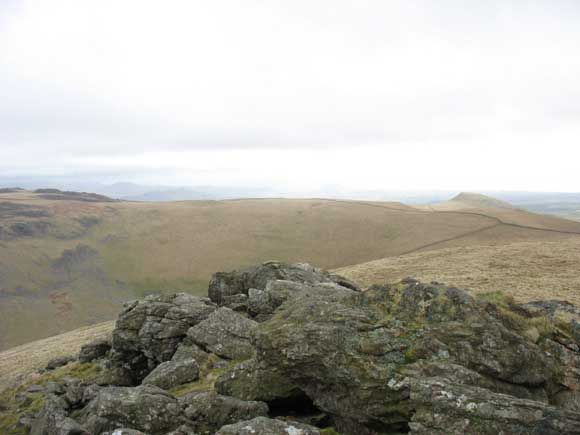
[443,408]
[189,350]
[95,350]
[145,408]
[124,431]
[53,419]
[289,349]
[227,284]
[148,332]
[250,381]
[170,374]
[268,426]
[346,351]
[225,333]
[211,411]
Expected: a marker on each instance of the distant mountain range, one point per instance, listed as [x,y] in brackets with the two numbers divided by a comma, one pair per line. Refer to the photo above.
[557,203]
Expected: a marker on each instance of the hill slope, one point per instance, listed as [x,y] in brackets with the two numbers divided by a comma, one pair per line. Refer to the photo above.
[477,200]
[68,261]
[528,271]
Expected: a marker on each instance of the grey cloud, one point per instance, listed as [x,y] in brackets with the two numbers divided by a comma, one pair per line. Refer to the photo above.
[278,75]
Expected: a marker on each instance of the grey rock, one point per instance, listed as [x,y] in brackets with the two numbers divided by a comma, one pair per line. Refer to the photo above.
[124,431]
[225,333]
[148,332]
[210,411]
[443,408]
[397,358]
[52,387]
[59,362]
[53,419]
[146,408]
[345,351]
[184,429]
[118,375]
[249,381]
[226,284]
[170,374]
[96,350]
[268,426]
[263,303]
[190,351]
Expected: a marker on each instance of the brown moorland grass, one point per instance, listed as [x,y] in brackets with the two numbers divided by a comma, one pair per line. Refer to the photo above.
[23,361]
[527,270]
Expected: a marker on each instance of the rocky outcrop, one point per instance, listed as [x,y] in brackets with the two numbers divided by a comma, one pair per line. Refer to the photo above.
[290,349]
[148,332]
[225,287]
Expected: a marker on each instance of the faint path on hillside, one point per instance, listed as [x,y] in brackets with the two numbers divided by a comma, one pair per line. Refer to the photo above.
[498,222]
[24,360]
[472,213]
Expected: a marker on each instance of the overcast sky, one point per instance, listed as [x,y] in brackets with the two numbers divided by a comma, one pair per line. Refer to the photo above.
[449,94]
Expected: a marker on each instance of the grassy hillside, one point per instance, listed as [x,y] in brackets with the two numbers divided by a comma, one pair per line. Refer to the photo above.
[528,271]
[70,260]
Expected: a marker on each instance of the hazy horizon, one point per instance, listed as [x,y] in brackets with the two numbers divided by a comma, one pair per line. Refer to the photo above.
[300,96]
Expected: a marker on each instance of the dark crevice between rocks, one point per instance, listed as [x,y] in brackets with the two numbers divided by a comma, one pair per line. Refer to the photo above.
[391,429]
[301,408]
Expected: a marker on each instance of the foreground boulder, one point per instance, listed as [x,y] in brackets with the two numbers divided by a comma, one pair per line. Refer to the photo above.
[145,408]
[350,353]
[291,349]
[443,408]
[267,426]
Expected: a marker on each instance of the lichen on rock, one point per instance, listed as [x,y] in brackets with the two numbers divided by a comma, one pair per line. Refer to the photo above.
[291,349]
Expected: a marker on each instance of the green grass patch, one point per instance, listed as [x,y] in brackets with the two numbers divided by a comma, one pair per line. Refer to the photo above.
[497,297]
[516,321]
[13,405]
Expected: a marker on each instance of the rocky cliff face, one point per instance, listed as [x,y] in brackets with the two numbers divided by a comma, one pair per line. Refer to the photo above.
[291,349]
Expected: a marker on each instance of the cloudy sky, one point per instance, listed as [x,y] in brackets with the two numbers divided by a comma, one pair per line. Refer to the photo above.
[362,94]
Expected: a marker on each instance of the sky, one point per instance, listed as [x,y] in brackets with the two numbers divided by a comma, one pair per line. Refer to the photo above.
[391,95]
